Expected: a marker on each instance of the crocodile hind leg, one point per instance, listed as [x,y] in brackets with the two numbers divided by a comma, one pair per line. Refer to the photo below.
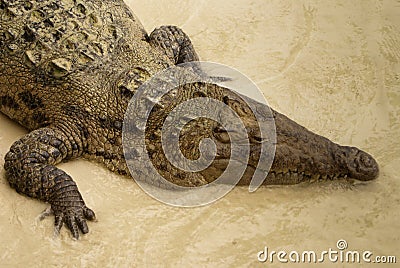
[175,43]
[30,169]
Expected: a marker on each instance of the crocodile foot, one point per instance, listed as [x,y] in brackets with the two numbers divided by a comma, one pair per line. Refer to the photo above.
[74,217]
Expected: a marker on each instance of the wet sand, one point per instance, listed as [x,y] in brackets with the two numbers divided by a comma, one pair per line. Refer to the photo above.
[332,66]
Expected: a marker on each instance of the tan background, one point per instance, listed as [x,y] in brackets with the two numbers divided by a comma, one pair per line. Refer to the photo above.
[333,66]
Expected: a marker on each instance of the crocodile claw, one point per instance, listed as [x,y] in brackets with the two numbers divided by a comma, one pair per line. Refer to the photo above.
[73,217]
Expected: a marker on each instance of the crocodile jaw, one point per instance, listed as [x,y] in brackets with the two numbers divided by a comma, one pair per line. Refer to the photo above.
[300,155]
[306,155]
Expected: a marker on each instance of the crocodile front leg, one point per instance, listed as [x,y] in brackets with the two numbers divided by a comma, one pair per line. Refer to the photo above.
[175,44]
[30,169]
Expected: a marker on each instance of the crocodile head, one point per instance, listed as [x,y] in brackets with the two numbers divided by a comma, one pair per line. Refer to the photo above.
[300,155]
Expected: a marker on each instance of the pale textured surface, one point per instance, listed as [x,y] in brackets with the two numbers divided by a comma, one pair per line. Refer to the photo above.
[332,66]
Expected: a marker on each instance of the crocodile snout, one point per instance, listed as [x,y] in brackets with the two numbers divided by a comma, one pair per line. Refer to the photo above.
[361,165]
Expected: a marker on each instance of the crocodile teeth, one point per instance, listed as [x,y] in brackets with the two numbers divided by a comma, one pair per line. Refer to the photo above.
[315,177]
[295,176]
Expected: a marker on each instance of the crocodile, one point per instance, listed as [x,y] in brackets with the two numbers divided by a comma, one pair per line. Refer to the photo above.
[68,71]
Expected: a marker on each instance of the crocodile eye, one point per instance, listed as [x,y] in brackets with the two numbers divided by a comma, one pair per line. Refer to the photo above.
[221,134]
[219,129]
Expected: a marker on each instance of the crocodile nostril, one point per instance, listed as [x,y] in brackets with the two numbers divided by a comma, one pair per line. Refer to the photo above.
[366,167]
[367,160]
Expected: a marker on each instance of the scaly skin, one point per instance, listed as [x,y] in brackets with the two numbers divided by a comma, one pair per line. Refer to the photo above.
[68,70]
